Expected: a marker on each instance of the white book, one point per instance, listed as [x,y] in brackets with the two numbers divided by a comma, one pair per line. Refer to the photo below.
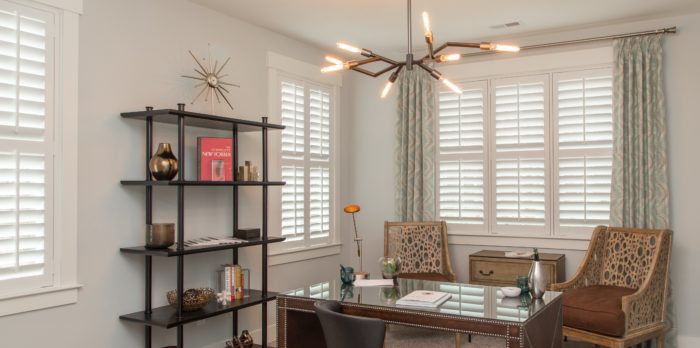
[424,298]
[372,282]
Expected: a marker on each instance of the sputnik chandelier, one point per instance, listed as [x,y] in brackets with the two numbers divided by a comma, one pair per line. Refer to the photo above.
[433,57]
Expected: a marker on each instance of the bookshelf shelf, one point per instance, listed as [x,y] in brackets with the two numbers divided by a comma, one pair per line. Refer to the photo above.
[174,316]
[167,317]
[169,252]
[200,183]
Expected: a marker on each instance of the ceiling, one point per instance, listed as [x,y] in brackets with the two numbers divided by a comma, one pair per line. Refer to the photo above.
[380,25]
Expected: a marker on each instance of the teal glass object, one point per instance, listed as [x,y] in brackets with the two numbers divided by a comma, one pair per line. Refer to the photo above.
[521,282]
[346,274]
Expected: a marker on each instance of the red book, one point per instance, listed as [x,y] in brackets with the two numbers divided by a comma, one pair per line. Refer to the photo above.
[215,159]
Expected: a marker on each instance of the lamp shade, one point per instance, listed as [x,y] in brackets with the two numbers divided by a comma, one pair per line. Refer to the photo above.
[351,208]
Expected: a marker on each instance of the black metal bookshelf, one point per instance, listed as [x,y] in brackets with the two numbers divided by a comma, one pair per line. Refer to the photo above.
[175,317]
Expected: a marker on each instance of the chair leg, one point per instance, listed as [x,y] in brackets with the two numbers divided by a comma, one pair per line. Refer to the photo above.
[458,340]
[660,340]
[469,338]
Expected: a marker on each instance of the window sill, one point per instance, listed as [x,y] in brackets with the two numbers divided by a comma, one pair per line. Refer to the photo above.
[39,299]
[282,257]
[542,242]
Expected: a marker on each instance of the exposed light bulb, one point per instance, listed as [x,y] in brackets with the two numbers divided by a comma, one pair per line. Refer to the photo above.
[506,48]
[332,68]
[449,57]
[334,60]
[349,48]
[387,88]
[451,85]
[488,46]
[426,23]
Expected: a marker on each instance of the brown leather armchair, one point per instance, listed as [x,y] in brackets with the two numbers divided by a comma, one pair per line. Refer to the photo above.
[618,296]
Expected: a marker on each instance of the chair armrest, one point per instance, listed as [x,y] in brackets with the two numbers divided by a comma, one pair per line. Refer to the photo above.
[647,306]
[589,269]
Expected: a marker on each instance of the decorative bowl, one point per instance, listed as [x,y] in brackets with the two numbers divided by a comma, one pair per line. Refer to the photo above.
[192,299]
[510,291]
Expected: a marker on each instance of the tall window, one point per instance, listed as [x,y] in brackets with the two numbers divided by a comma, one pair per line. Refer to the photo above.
[26,147]
[306,112]
[527,155]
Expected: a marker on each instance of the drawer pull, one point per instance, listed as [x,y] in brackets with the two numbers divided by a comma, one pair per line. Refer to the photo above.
[486,274]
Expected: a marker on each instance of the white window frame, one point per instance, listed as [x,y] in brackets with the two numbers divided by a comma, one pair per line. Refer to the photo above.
[519,67]
[281,68]
[62,88]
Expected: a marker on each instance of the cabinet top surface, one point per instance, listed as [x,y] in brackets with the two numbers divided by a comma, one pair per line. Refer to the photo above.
[194,119]
[502,255]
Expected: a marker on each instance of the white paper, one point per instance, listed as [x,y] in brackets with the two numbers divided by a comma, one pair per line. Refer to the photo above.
[519,254]
[373,282]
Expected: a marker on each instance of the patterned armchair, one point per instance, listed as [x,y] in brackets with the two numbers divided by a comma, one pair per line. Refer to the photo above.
[618,296]
[422,247]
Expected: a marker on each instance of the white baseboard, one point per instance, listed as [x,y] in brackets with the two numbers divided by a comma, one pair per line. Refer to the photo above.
[271,337]
[688,341]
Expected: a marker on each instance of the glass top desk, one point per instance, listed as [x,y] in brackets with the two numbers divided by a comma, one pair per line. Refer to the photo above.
[472,309]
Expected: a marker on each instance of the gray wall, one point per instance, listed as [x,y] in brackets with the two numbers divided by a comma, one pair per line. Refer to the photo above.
[368,150]
[132,54]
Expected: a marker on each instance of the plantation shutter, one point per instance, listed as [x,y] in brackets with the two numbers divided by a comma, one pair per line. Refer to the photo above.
[461,155]
[584,117]
[293,202]
[25,145]
[520,116]
[306,161]
[319,175]
[319,223]
[292,113]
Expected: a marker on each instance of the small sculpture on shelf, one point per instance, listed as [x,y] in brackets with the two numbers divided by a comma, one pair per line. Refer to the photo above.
[244,341]
[248,172]
[163,164]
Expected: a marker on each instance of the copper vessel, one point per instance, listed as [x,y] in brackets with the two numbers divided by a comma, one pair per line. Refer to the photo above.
[163,164]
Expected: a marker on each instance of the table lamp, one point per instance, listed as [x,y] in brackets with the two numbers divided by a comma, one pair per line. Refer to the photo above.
[353,209]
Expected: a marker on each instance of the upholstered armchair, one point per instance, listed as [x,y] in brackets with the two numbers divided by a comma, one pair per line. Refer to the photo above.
[422,247]
[618,296]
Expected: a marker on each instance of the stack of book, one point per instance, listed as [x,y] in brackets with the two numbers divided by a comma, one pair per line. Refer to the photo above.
[234,281]
[424,298]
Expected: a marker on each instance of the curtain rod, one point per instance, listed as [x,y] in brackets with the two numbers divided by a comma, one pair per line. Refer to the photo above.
[670,30]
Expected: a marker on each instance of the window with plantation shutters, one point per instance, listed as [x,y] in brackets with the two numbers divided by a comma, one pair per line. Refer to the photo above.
[26,141]
[306,112]
[583,148]
[520,115]
[527,155]
[461,155]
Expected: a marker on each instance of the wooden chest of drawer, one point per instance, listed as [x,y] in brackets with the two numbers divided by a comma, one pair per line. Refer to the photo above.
[488,267]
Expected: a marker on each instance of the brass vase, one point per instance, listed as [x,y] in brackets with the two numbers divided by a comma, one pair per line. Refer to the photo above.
[163,164]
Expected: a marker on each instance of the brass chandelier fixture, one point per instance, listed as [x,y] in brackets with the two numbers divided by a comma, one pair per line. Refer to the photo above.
[433,57]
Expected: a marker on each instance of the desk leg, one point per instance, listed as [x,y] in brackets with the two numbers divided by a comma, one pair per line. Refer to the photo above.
[296,329]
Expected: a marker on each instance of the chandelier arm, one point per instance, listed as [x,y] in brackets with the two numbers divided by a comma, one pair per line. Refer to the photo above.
[367,61]
[434,73]
[381,72]
[451,44]
[363,71]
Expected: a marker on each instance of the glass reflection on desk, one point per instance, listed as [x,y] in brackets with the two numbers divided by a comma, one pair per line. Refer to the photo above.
[467,300]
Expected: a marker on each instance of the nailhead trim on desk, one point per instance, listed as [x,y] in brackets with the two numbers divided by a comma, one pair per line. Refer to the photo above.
[283,304]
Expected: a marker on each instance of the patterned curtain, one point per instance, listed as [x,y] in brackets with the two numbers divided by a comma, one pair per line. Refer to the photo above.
[640,194]
[415,152]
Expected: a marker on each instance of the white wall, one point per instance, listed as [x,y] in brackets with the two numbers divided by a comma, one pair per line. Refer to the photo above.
[368,149]
[132,55]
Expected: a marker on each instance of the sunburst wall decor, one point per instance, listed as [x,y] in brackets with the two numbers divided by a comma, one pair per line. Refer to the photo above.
[212,81]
